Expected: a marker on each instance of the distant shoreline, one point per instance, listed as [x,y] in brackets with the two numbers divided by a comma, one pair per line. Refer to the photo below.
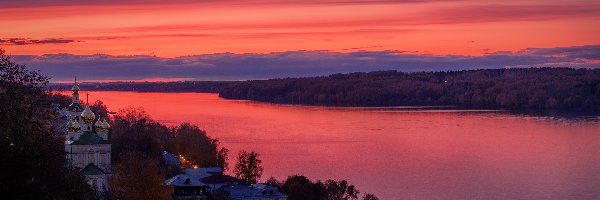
[167,87]
[557,114]
[519,89]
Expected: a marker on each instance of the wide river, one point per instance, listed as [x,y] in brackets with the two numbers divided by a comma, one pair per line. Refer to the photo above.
[395,153]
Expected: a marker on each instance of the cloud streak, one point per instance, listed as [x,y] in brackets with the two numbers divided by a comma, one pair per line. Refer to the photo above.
[36,3]
[187,27]
[229,66]
[499,13]
[28,41]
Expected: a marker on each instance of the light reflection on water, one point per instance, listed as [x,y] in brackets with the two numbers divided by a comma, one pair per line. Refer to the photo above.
[398,153]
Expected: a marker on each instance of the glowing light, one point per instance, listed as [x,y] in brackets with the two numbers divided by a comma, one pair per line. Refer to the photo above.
[186,163]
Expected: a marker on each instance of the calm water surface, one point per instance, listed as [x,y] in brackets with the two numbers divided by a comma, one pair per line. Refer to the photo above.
[397,154]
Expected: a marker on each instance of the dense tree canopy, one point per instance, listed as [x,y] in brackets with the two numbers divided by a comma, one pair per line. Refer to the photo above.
[32,155]
[248,167]
[197,146]
[134,131]
[370,197]
[301,188]
[138,177]
[516,88]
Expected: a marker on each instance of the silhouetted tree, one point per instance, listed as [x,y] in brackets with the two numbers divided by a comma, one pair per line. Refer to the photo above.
[100,110]
[32,155]
[198,147]
[301,188]
[222,157]
[62,100]
[138,177]
[273,182]
[340,190]
[248,167]
[134,130]
[370,197]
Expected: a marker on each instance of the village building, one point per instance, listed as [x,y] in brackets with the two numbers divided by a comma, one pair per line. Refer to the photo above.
[210,183]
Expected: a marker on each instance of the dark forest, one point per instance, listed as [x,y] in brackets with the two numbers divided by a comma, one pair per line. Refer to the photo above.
[513,89]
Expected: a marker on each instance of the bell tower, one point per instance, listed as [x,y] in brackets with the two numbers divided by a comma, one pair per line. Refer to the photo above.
[75,107]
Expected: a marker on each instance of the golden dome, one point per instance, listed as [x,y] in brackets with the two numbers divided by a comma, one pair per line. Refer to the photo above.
[99,125]
[87,115]
[75,87]
[73,126]
[105,123]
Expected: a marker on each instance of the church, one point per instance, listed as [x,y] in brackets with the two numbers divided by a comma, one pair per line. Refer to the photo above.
[87,145]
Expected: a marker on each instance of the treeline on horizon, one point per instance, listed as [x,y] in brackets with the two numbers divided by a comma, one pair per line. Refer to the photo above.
[513,89]
[179,86]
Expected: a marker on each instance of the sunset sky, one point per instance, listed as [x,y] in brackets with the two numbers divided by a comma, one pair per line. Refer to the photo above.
[122,31]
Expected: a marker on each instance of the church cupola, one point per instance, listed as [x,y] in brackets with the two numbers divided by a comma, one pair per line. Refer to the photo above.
[88,118]
[106,125]
[73,129]
[87,115]
[102,129]
[99,125]
[73,126]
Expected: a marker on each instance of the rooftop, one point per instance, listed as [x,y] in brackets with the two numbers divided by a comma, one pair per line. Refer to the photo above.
[88,138]
[92,169]
[200,177]
[184,180]
[199,173]
[220,178]
[256,190]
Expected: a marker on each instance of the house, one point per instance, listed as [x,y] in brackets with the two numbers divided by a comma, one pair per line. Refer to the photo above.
[208,183]
[254,192]
[188,185]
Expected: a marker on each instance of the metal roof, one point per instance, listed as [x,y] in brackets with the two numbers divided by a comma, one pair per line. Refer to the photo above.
[92,169]
[89,138]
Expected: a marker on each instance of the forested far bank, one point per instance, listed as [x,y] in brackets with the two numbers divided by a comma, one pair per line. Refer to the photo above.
[180,86]
[514,89]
